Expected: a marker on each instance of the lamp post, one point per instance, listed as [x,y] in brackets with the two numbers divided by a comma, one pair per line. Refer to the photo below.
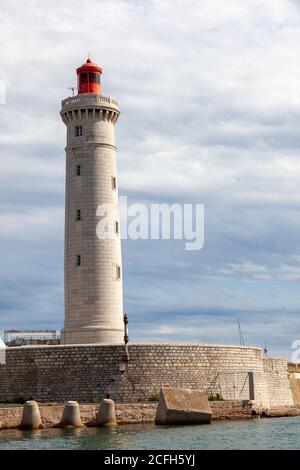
[126,338]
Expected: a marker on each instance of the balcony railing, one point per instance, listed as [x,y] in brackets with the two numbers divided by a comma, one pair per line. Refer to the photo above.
[90,100]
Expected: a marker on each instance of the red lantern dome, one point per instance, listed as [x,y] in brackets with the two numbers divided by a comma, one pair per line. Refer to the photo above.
[88,78]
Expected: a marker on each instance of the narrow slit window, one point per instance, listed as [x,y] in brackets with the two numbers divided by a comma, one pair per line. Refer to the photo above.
[78,131]
[114,182]
[78,170]
[78,214]
[78,260]
[118,272]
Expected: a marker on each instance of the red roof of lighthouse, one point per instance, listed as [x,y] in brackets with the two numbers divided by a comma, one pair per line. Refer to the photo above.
[89,66]
[88,77]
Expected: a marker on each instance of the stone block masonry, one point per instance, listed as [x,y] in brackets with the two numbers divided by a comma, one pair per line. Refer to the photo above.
[84,372]
[278,384]
[294,378]
[93,274]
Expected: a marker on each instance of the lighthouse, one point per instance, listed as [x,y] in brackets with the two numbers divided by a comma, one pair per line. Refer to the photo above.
[93,266]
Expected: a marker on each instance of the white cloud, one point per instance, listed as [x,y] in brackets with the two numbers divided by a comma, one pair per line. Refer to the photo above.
[210,110]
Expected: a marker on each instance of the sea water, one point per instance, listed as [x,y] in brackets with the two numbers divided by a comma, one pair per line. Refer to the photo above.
[272,433]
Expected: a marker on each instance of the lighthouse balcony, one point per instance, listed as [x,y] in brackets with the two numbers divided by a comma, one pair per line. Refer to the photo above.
[89,107]
[90,99]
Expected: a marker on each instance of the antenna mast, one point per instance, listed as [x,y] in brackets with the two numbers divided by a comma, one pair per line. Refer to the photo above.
[266,349]
[73,88]
[242,343]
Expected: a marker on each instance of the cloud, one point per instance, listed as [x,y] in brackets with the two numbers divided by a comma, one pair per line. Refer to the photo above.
[210,107]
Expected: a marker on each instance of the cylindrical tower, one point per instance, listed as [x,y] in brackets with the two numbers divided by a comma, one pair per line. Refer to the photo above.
[93,267]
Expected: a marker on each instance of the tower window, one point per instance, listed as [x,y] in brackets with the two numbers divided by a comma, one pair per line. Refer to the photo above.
[78,214]
[78,131]
[78,170]
[116,226]
[114,182]
[78,260]
[118,272]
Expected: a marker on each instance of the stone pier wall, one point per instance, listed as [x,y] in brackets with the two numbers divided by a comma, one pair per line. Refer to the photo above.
[278,384]
[84,372]
[126,413]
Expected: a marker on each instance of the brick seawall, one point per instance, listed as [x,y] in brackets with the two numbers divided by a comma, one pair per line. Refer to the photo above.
[85,372]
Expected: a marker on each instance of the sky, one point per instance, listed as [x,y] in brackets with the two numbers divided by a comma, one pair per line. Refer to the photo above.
[209,93]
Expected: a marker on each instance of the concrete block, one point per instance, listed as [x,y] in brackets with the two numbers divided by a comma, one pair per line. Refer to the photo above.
[183,406]
[106,415]
[71,416]
[31,418]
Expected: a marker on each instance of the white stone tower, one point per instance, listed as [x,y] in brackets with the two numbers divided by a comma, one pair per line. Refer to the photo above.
[93,268]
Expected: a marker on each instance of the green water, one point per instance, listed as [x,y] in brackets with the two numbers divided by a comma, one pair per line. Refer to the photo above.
[275,433]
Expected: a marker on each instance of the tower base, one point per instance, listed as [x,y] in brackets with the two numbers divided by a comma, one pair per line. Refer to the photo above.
[92,336]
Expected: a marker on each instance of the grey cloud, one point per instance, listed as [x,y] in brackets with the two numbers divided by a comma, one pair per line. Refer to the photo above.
[210,108]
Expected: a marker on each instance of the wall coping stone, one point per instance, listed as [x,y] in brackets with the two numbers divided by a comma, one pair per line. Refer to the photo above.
[178,345]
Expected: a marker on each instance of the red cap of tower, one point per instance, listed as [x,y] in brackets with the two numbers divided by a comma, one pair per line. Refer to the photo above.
[88,78]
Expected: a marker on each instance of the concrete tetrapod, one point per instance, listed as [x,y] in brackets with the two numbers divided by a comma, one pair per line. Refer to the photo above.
[71,416]
[31,418]
[107,414]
